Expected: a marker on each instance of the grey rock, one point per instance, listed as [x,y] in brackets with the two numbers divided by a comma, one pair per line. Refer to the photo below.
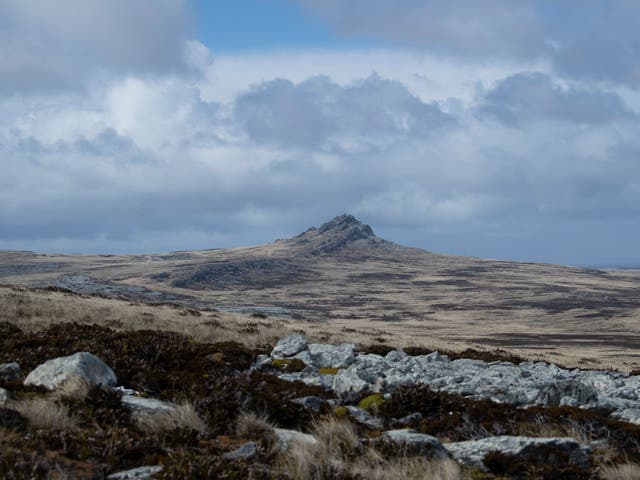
[4,397]
[567,393]
[524,385]
[245,452]
[364,418]
[261,361]
[53,373]
[631,415]
[288,347]
[286,438]
[414,443]
[332,356]
[142,405]
[472,452]
[347,384]
[408,420]
[311,403]
[139,473]
[10,372]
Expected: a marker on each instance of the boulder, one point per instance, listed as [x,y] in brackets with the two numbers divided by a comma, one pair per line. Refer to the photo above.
[411,442]
[82,365]
[288,347]
[347,383]
[245,452]
[287,437]
[472,452]
[9,372]
[332,356]
[139,473]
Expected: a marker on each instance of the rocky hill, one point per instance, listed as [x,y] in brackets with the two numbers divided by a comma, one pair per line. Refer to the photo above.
[342,275]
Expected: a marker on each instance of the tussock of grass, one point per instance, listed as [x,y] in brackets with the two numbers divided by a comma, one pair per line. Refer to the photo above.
[46,413]
[181,417]
[338,453]
[628,471]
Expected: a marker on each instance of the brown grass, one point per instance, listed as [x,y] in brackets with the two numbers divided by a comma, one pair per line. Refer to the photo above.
[180,417]
[46,413]
[629,471]
[339,453]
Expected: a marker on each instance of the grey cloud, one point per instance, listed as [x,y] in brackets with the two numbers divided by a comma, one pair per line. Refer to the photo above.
[535,96]
[54,45]
[316,111]
[467,28]
[586,39]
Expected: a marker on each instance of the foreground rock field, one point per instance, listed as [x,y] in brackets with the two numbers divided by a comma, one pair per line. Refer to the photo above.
[83,401]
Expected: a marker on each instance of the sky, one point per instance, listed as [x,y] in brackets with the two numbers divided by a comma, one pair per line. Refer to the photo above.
[496,128]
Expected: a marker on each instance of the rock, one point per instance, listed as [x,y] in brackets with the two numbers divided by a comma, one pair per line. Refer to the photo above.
[245,452]
[414,443]
[631,415]
[287,437]
[84,365]
[332,356]
[311,403]
[261,361]
[4,397]
[142,405]
[567,393]
[347,384]
[472,452]
[364,418]
[10,372]
[408,420]
[137,473]
[288,347]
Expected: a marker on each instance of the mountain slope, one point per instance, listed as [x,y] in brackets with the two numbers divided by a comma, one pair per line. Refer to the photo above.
[343,274]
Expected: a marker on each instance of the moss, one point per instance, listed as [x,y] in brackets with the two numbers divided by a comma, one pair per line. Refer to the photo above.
[372,401]
[289,365]
[328,371]
[341,411]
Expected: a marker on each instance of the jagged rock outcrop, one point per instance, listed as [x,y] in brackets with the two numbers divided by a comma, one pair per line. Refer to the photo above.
[340,232]
[84,365]
[525,384]
[473,452]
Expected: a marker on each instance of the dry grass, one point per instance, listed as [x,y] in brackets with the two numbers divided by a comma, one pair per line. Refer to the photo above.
[46,413]
[629,471]
[253,427]
[181,417]
[338,453]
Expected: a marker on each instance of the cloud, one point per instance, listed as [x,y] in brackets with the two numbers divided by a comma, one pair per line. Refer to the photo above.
[582,39]
[535,96]
[464,28]
[371,111]
[46,47]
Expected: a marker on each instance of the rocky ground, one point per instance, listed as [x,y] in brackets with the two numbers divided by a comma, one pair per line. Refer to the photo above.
[84,401]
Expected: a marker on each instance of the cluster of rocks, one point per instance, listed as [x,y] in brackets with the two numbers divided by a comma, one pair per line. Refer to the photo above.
[526,384]
[341,369]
